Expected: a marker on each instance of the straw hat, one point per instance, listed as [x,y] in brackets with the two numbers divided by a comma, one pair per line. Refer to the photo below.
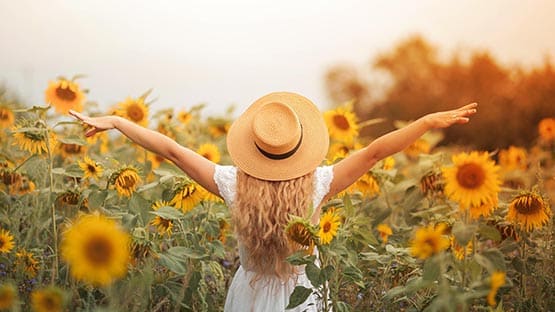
[281,136]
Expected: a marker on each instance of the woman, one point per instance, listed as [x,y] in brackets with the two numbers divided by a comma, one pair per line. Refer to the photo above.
[277,146]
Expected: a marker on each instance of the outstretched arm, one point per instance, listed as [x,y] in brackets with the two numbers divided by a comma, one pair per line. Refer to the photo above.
[348,170]
[194,165]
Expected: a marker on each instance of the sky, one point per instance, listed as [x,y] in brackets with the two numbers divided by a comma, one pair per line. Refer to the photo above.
[224,53]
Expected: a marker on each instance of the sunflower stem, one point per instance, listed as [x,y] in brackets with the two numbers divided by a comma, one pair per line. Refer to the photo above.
[53,210]
[464,269]
[524,268]
[26,160]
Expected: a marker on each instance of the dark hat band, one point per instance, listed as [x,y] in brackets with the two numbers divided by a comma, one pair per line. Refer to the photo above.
[284,155]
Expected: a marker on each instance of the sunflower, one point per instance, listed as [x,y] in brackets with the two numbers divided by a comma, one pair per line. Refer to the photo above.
[513,158]
[134,110]
[6,117]
[91,169]
[49,299]
[546,129]
[64,95]
[496,281]
[420,146]
[184,117]
[301,233]
[428,241]
[210,152]
[187,195]
[208,196]
[101,137]
[367,185]
[69,150]
[8,297]
[34,141]
[459,251]
[473,180]
[23,186]
[6,241]
[484,209]
[339,150]
[155,160]
[126,180]
[164,226]
[384,231]
[224,229]
[342,124]
[432,184]
[388,163]
[329,224]
[140,250]
[529,211]
[218,128]
[26,260]
[96,249]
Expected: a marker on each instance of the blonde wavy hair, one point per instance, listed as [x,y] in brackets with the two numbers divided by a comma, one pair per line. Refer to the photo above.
[261,212]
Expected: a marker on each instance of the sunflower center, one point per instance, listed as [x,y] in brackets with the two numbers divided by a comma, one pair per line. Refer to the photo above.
[135,113]
[4,114]
[430,242]
[327,227]
[72,148]
[470,176]
[528,205]
[127,181]
[65,94]
[341,122]
[98,251]
[50,304]
[91,168]
[1,243]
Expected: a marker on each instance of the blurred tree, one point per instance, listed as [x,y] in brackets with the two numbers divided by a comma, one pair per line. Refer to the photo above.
[512,100]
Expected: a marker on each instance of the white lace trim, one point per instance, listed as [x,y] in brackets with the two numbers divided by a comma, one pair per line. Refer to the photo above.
[226,180]
[322,181]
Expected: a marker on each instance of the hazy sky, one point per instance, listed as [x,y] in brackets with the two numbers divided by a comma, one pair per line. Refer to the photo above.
[231,52]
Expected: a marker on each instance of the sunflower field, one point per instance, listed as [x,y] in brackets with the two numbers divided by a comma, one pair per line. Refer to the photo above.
[100,224]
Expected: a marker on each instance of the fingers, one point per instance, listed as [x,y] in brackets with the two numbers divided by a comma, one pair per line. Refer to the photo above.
[76,114]
[91,132]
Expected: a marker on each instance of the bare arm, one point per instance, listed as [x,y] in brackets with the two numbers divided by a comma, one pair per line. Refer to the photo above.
[194,165]
[350,169]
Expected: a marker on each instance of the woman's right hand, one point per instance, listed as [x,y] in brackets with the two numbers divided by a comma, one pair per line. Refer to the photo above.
[96,124]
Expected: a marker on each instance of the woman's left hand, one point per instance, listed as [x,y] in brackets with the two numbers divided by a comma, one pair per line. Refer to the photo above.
[448,118]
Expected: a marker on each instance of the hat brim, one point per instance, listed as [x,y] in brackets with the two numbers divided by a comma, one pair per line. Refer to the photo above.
[310,154]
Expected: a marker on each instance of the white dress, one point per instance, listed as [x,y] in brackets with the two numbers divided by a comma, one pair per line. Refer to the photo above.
[267,294]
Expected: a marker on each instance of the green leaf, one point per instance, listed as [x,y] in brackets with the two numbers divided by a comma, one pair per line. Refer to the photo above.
[492,260]
[33,109]
[96,198]
[463,232]
[168,213]
[326,273]
[172,264]
[74,171]
[353,274]
[489,232]
[59,170]
[431,270]
[313,273]
[181,252]
[72,139]
[342,307]
[299,295]
[300,258]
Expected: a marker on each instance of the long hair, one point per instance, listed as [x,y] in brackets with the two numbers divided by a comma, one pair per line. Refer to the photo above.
[261,212]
